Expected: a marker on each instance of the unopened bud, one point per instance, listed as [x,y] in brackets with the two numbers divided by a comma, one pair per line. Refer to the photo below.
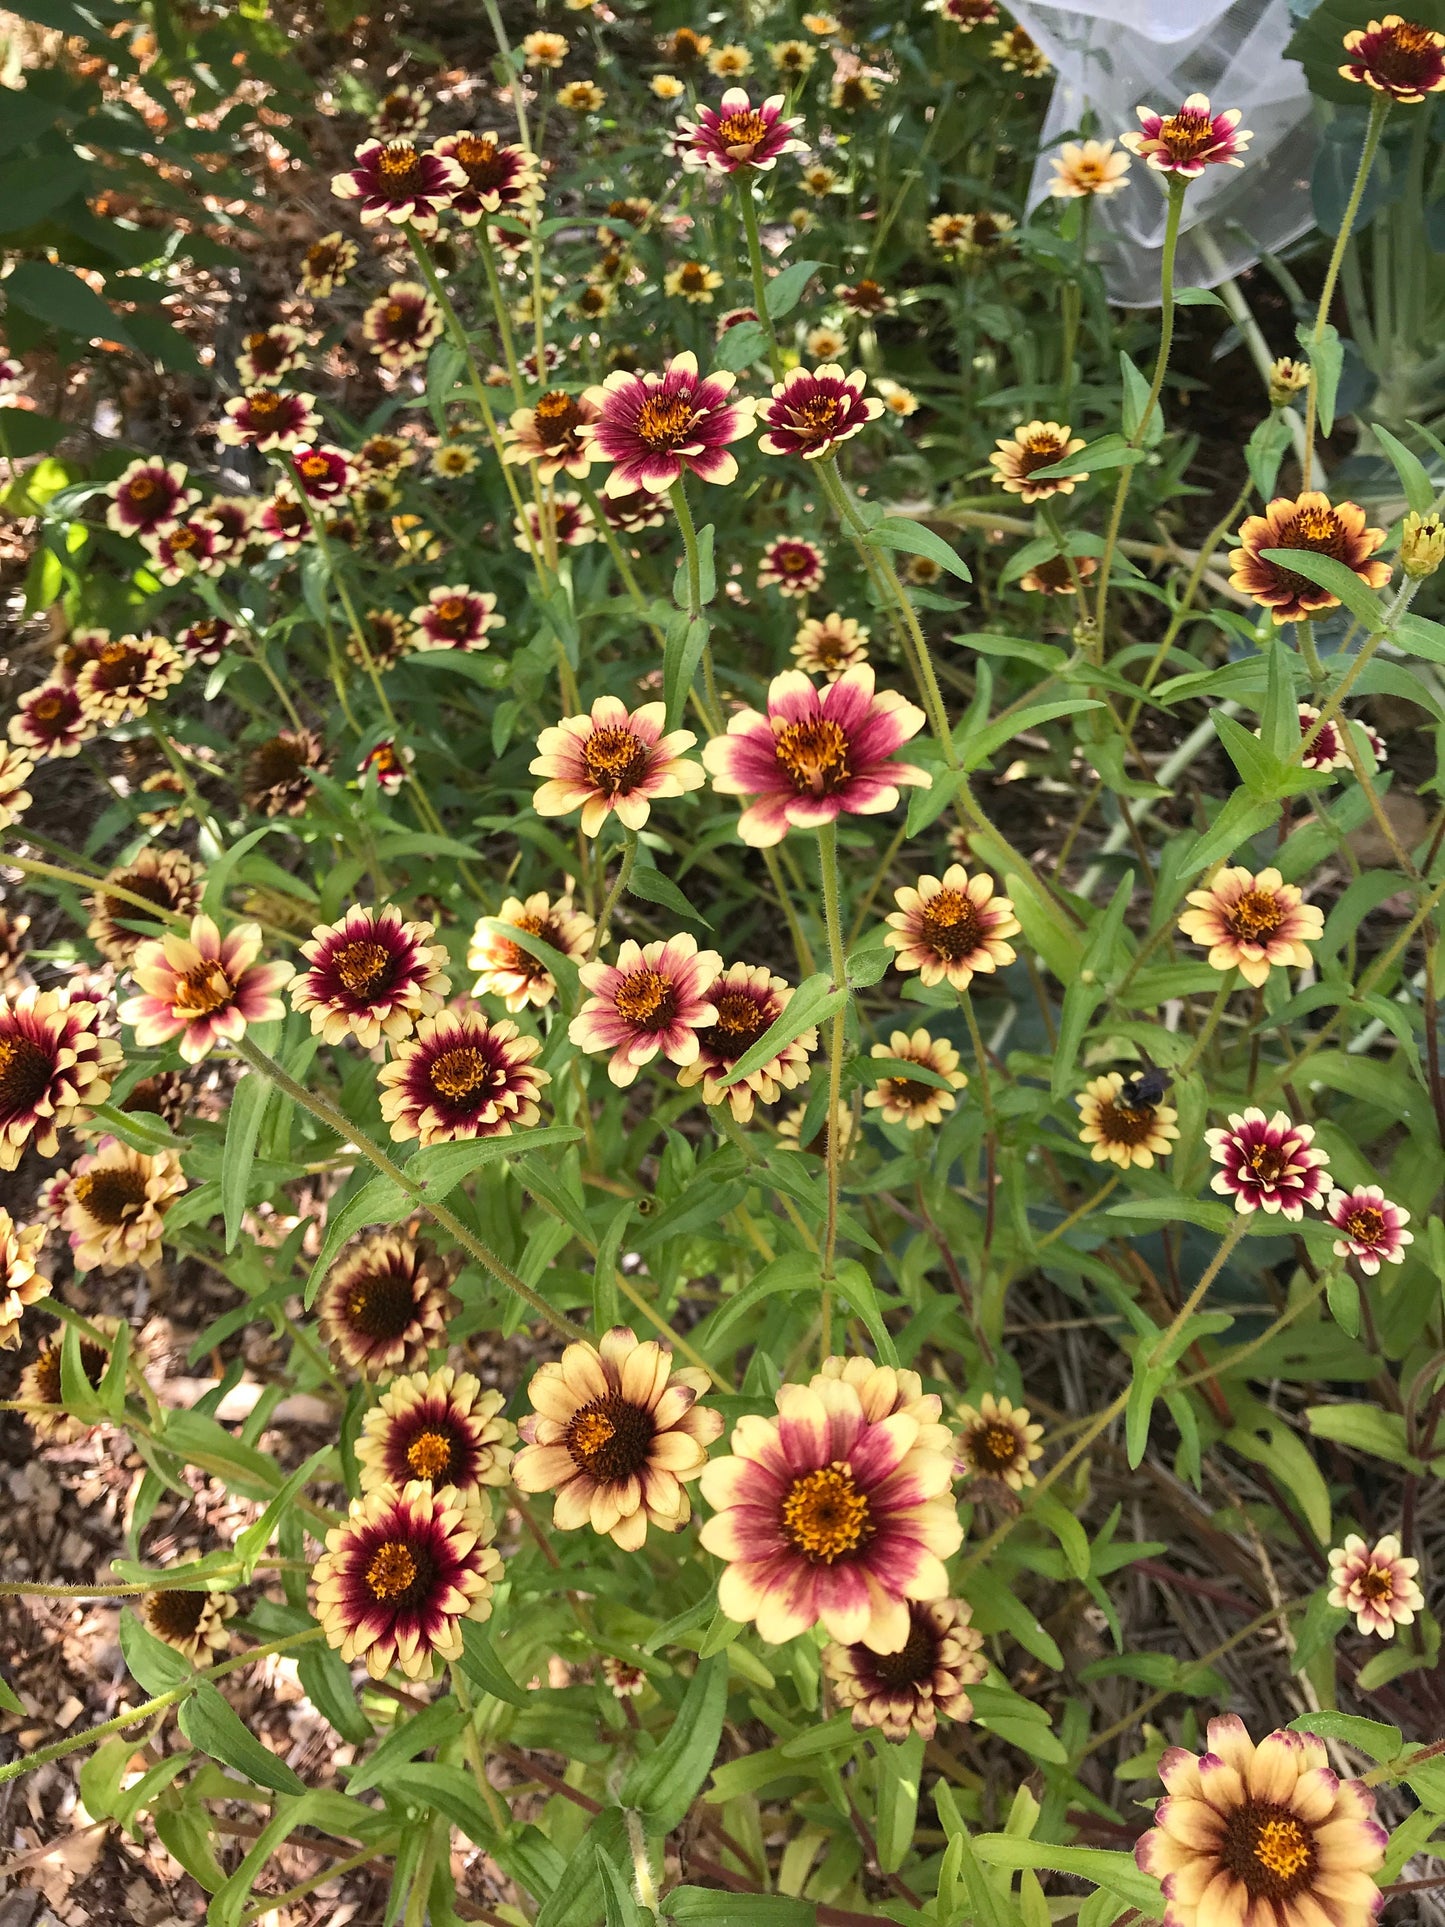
[1422,544]
[1286,380]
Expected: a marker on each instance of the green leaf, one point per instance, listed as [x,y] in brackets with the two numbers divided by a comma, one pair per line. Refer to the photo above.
[649,883]
[1265,1440]
[1136,399]
[996,1606]
[150,1662]
[1263,774]
[243,1127]
[743,344]
[1110,451]
[1328,572]
[853,1284]
[1327,359]
[480,1664]
[1242,817]
[56,296]
[450,1790]
[1115,1872]
[1265,450]
[251,1543]
[1371,1737]
[378,1202]
[1198,298]
[785,290]
[794,1271]
[79,1397]
[1414,478]
[1366,1428]
[664,1785]
[432,1727]
[440,1168]
[896,532]
[812,1003]
[681,654]
[979,747]
[899,1772]
[212,1724]
[709,1908]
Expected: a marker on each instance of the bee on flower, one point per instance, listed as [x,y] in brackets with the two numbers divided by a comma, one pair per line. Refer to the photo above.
[1121,1128]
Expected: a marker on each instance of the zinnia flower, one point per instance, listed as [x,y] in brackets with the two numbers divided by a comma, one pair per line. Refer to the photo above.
[1035,445]
[40,1382]
[794,57]
[147,496]
[190,1620]
[616,1430]
[397,1580]
[654,998]
[1397,57]
[792,566]
[885,1389]
[270,353]
[866,297]
[205,640]
[55,1064]
[730,62]
[278,772]
[631,513]
[544,49]
[401,325]
[387,764]
[326,264]
[996,1440]
[283,521]
[499,177]
[1375,1584]
[396,181]
[827,645]
[455,617]
[388,637]
[1056,576]
[686,47]
[816,755]
[438,1428]
[506,970]
[326,473]
[1087,169]
[1123,1133]
[825,1514]
[402,111]
[1309,523]
[125,676]
[1188,141]
[654,427]
[382,456]
[694,281]
[826,343]
[203,989]
[738,135]
[167,878]
[21,1283]
[910,1691]
[909,1100]
[461,1077]
[385,1304]
[950,928]
[569,523]
[1252,923]
[1269,1164]
[1373,1229]
[748,998]
[50,721]
[115,1205]
[453,460]
[612,759]
[265,419]
[371,976]
[896,399]
[16,770]
[625,1681]
[581,97]
[1266,1833]
[552,433]
[967,14]
[813,414]
[850,91]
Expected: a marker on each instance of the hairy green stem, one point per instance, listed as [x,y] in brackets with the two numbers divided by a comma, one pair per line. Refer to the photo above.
[744,182]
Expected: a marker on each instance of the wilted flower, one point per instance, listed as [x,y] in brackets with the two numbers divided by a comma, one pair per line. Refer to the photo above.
[616,1430]
[270,353]
[813,414]
[1018,457]
[910,1691]
[544,49]
[1252,923]
[655,998]
[1057,577]
[612,759]
[997,1440]
[816,755]
[21,1284]
[695,281]
[825,1514]
[1396,57]
[1376,1584]
[190,1620]
[1311,524]
[402,111]
[950,928]
[116,1202]
[1269,1164]
[553,434]
[792,566]
[400,326]
[1422,545]
[656,427]
[1085,169]
[461,1077]
[909,1100]
[203,989]
[455,617]
[1264,1833]
[568,523]
[398,1579]
[397,182]
[371,975]
[827,645]
[439,1428]
[500,177]
[738,135]
[55,1064]
[278,772]
[507,970]
[149,495]
[1373,1230]
[581,97]
[1123,1133]
[748,999]
[1189,140]
[167,878]
[326,264]
[730,62]
[125,676]
[385,1305]
[50,721]
[265,419]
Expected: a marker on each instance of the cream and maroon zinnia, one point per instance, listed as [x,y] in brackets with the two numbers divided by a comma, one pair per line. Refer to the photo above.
[1018,458]
[115,1206]
[499,177]
[397,181]
[148,496]
[1314,525]
[461,1077]
[551,434]
[385,1304]
[440,1428]
[372,975]
[22,1284]
[749,998]
[791,565]
[916,1101]
[326,264]
[1252,923]
[203,989]
[816,755]
[270,353]
[736,135]
[1265,1834]
[827,645]
[997,1440]
[1270,1164]
[506,969]
[813,414]
[926,1681]
[50,720]
[1190,139]
[125,676]
[265,419]
[824,1514]
[400,326]
[615,1432]
[654,428]
[1376,1584]
[612,760]
[401,1575]
[1372,1230]
[455,617]
[654,999]
[54,1066]
[1396,57]
[951,927]
[191,1620]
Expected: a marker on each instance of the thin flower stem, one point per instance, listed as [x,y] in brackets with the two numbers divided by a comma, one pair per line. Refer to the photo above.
[990,1131]
[619,555]
[32,867]
[802,949]
[476,1759]
[744,183]
[678,496]
[503,319]
[1331,708]
[509,61]
[278,1905]
[619,884]
[1077,1217]
[1146,1706]
[1379,111]
[1211,1023]
[837,964]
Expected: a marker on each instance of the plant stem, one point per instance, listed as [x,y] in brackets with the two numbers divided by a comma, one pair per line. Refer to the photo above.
[678,496]
[1379,110]
[619,884]
[832,917]
[990,1133]
[744,181]
[1211,1024]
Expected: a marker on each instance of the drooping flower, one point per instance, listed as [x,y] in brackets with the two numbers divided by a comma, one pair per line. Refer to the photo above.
[461,1077]
[167,878]
[909,1100]
[125,676]
[40,1382]
[190,1620]
[385,1304]
[1059,575]
[55,1064]
[616,1432]
[551,434]
[910,1691]
[1123,1133]
[655,998]
[269,354]
[398,182]
[1372,1229]
[612,759]
[950,928]
[792,566]
[455,617]
[825,1514]
[1269,1164]
[16,770]
[1084,170]
[203,989]
[654,428]
[49,721]
[278,772]
[568,523]
[499,177]
[1263,1833]
[543,49]
[1252,923]
[748,998]
[371,975]
[1396,57]
[997,1440]
[22,1283]
[401,1575]
[440,1429]
[400,326]
[149,495]
[1018,457]
[1376,1584]
[116,1202]
[506,970]
[737,135]
[326,264]
[1190,139]
[816,755]
[812,414]
[266,420]
[694,281]
[1313,525]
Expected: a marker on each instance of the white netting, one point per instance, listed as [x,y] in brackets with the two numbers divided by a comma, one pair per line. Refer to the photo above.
[1112,55]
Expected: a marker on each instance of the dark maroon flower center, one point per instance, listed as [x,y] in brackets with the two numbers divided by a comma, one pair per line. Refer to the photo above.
[322,258]
[1269,1849]
[556,416]
[867,296]
[993,1448]
[400,170]
[381,1304]
[1040,451]
[119,666]
[484,162]
[1187,134]
[664,422]
[277,764]
[452,616]
[266,351]
[615,760]
[265,408]
[814,756]
[1403,55]
[112,1196]
[950,923]
[1268,1162]
[364,967]
[825,1516]
[462,1074]
[25,1073]
[741,1020]
[609,1439]
[93,1362]
[174,1614]
[646,1001]
[914,1664]
[522,961]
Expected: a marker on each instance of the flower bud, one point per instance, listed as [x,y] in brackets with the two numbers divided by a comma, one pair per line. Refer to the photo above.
[1422,544]
[1286,380]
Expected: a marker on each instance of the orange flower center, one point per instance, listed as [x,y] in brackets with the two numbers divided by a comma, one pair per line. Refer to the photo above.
[814,755]
[48,709]
[395,313]
[111,1196]
[461,1073]
[1313,528]
[615,760]
[451,609]
[950,923]
[1378,1583]
[430,1454]
[1118,1126]
[483,162]
[203,989]
[665,421]
[315,468]
[646,1001]
[141,489]
[795,560]
[740,133]
[556,416]
[819,416]
[1366,1225]
[262,407]
[512,956]
[741,1021]
[914,1663]
[363,967]
[1258,913]
[825,1516]
[1187,134]
[1269,1849]
[400,168]
[183,538]
[994,1447]
[609,1439]
[693,275]
[392,1570]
